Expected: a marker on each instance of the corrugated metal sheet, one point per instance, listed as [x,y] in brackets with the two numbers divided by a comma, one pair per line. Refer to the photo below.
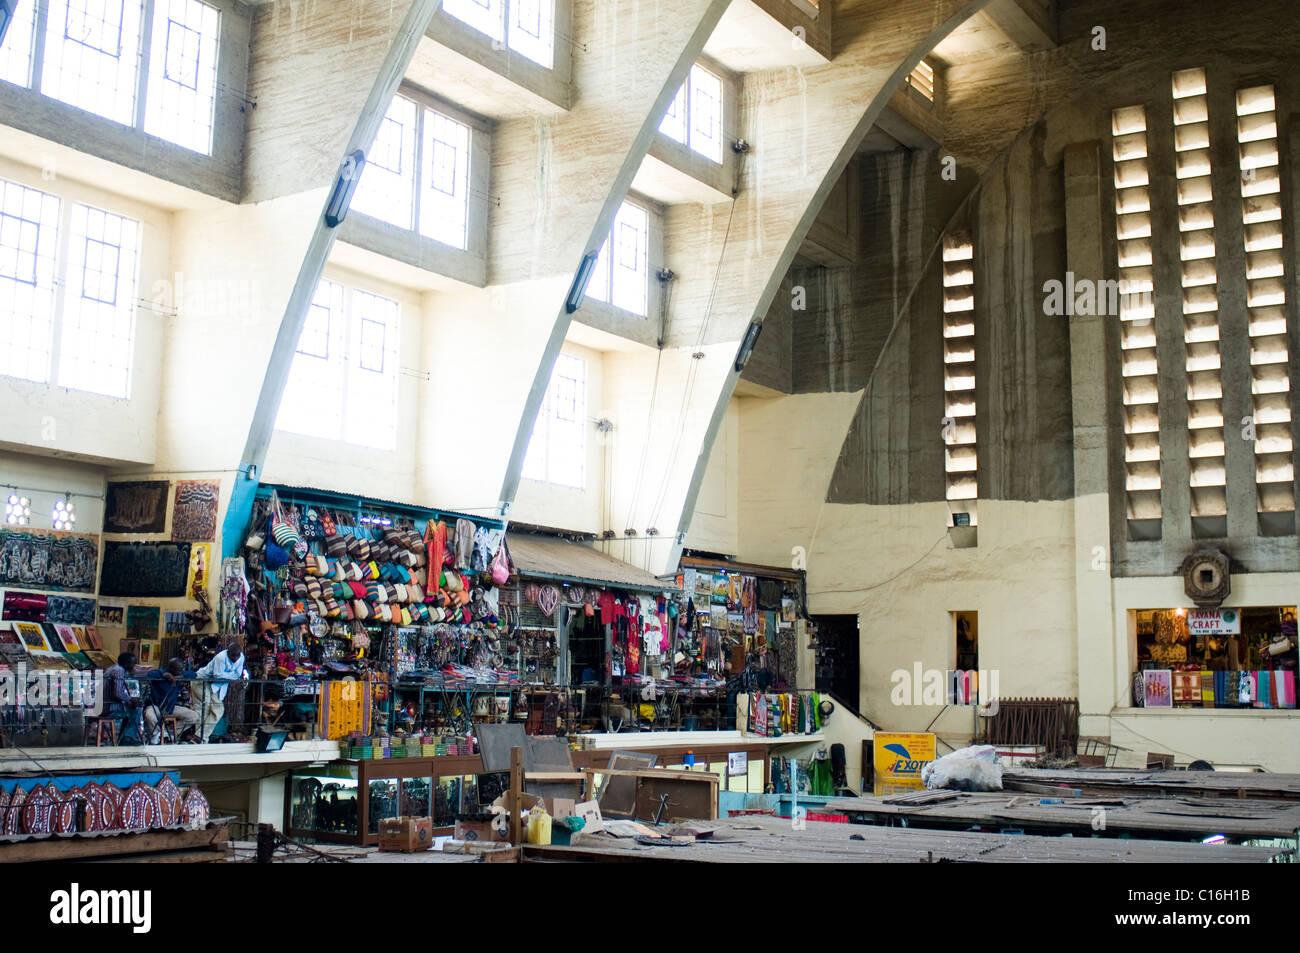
[544,557]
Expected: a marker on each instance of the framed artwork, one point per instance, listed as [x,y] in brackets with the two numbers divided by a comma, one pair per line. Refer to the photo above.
[141,624]
[129,645]
[194,513]
[145,569]
[67,639]
[33,636]
[1157,688]
[139,507]
[93,640]
[111,613]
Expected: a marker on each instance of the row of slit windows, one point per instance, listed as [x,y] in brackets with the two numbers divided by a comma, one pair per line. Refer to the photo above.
[1268,425]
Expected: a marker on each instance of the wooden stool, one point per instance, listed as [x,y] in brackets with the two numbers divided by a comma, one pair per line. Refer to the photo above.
[97,726]
[170,723]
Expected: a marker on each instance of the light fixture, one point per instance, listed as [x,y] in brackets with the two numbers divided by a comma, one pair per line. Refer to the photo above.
[18,510]
[63,514]
[336,210]
[747,345]
[578,290]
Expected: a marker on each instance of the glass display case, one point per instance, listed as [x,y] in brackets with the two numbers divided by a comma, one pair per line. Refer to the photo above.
[345,801]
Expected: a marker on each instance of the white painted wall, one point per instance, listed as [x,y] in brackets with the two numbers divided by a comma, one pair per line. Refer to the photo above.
[715,527]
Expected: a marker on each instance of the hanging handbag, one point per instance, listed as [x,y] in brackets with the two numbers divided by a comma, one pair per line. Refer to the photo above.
[501,565]
[283,531]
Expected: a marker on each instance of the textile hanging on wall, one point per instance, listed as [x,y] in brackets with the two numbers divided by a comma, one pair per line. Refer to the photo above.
[142,622]
[194,514]
[71,610]
[46,559]
[145,569]
[25,606]
[345,708]
[139,507]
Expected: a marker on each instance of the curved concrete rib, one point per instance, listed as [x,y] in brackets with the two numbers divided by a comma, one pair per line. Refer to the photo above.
[804,126]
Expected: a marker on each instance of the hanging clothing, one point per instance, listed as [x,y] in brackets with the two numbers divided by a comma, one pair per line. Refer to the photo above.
[464,545]
[606,603]
[435,539]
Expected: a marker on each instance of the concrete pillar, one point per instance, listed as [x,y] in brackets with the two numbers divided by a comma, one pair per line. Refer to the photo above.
[1093,346]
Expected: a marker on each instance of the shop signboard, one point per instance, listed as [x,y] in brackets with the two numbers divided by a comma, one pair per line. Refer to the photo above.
[899,758]
[737,764]
[1214,621]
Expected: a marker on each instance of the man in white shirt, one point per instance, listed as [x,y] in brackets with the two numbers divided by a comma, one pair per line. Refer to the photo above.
[225,667]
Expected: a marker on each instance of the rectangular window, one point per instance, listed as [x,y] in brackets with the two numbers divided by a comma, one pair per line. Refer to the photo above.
[387,187]
[182,91]
[343,382]
[98,322]
[695,116]
[960,457]
[558,450]
[486,16]
[92,55]
[29,224]
[370,400]
[1138,367]
[16,53]
[532,30]
[622,273]
[444,199]
[1261,195]
[312,403]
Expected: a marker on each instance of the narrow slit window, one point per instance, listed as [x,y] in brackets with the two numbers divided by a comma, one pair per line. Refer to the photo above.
[1139,365]
[961,458]
[921,79]
[1257,131]
[1194,175]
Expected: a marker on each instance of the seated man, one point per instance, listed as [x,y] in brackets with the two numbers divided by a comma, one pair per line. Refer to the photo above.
[119,702]
[166,686]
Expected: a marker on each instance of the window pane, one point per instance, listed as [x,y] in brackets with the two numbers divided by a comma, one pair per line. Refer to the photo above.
[99,303]
[532,30]
[370,413]
[313,397]
[183,73]
[674,123]
[444,199]
[387,187]
[92,51]
[16,54]
[29,222]
[557,451]
[630,271]
[706,114]
[486,16]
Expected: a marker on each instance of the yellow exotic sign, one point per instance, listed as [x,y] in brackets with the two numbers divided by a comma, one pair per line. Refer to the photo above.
[899,758]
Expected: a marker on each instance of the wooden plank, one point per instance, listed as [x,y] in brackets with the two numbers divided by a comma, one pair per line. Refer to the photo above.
[516,788]
[77,848]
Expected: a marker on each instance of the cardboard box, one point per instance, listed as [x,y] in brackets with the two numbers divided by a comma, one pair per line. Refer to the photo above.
[559,807]
[405,834]
[480,831]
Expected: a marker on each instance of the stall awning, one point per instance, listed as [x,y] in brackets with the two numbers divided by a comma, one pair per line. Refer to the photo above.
[544,557]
